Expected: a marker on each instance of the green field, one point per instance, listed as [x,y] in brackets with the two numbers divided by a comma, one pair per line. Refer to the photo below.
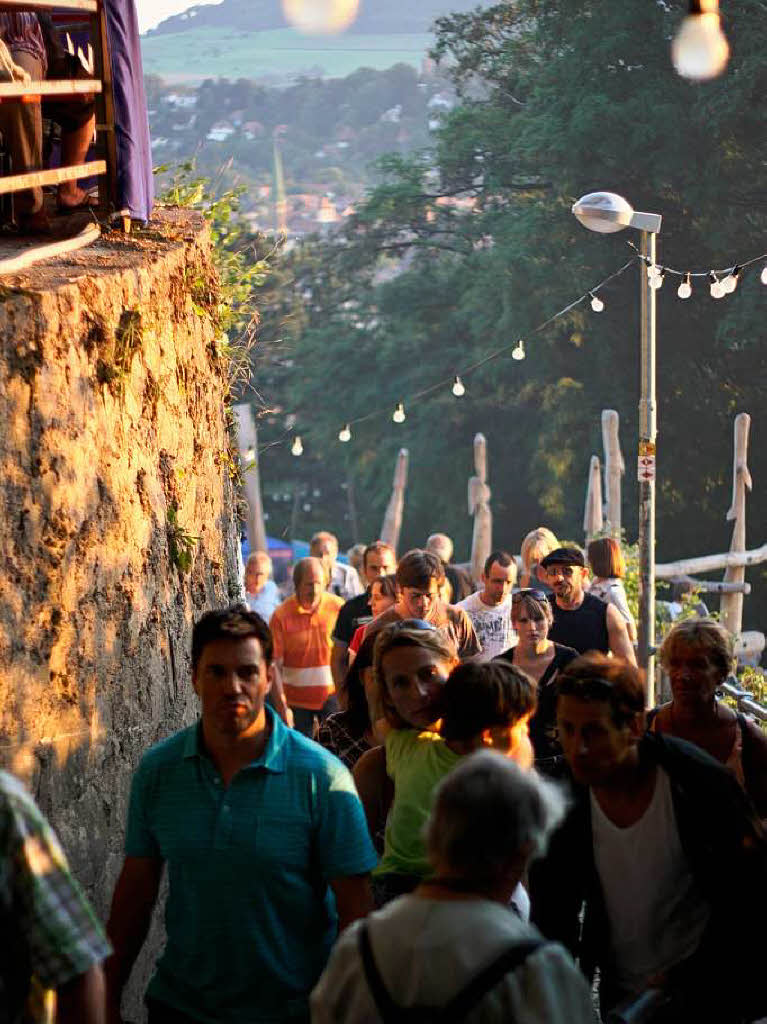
[224,53]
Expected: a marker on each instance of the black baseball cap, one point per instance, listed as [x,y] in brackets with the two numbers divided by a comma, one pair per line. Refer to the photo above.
[563,556]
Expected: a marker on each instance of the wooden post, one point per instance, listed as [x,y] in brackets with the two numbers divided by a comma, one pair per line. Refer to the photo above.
[247,437]
[479,507]
[392,523]
[593,522]
[709,563]
[731,605]
[614,469]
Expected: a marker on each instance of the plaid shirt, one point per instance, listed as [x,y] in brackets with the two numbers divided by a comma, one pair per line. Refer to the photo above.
[50,934]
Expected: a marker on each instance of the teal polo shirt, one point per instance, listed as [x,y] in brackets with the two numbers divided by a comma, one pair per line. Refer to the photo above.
[250,918]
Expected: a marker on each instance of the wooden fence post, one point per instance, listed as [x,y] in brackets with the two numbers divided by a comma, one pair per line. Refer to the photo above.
[392,523]
[479,507]
[614,469]
[731,604]
[593,521]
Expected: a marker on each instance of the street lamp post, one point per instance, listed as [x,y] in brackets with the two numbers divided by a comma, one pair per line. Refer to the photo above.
[606,212]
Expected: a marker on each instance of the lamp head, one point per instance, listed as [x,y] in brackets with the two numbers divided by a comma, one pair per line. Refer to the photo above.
[607,212]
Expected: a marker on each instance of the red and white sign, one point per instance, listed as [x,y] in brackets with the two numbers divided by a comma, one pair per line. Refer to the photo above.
[646,468]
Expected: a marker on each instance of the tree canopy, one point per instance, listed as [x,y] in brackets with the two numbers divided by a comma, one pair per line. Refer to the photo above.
[558,98]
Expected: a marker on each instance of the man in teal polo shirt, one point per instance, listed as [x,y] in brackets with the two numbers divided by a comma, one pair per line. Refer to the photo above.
[265,842]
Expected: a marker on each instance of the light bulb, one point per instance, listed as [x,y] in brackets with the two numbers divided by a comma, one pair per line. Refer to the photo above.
[730,282]
[518,351]
[320,17]
[249,456]
[684,291]
[345,433]
[297,448]
[653,271]
[657,282]
[763,277]
[717,288]
[458,388]
[596,303]
[399,413]
[700,49]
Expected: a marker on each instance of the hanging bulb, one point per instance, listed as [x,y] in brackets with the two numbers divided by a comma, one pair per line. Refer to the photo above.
[518,352]
[763,277]
[250,456]
[730,282]
[345,433]
[657,281]
[717,288]
[700,49]
[297,448]
[653,271]
[684,291]
[596,303]
[458,388]
[399,413]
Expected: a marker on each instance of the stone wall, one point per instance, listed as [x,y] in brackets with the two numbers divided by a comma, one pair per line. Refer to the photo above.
[113,442]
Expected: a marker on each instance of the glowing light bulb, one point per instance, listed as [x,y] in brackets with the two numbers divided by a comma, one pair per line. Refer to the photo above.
[657,282]
[249,456]
[297,448]
[518,351]
[684,291]
[717,288]
[700,49]
[458,388]
[730,282]
[763,277]
[653,271]
[345,433]
[596,303]
[320,17]
[399,413]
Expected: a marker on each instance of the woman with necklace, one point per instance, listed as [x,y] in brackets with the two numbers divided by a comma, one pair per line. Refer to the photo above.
[540,659]
[697,655]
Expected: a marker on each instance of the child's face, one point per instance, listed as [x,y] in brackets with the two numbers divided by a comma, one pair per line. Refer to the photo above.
[512,741]
[414,678]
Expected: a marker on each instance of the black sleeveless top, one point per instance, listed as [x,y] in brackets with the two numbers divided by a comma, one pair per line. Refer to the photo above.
[584,629]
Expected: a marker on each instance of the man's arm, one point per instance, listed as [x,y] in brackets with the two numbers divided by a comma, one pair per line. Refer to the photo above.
[277,694]
[134,899]
[354,898]
[339,665]
[618,636]
[83,999]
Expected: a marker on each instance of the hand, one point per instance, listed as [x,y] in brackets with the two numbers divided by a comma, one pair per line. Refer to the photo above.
[289,720]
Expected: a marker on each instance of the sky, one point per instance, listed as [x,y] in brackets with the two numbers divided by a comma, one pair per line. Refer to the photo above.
[152,12]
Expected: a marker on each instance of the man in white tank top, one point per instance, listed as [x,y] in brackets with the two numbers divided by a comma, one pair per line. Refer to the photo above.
[654,823]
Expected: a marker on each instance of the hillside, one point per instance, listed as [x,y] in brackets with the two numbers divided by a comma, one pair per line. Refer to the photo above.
[379,17]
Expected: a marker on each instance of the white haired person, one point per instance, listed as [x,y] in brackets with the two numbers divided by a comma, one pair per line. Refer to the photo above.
[452,949]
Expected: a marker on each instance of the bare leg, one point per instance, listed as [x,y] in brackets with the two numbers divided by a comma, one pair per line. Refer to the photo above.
[74,149]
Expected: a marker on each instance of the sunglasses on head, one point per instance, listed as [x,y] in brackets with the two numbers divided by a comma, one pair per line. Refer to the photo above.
[538,595]
[414,624]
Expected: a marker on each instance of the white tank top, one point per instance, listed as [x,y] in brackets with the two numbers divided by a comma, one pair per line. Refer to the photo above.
[655,912]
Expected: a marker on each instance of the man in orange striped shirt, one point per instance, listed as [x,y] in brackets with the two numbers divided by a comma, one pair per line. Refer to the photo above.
[302,628]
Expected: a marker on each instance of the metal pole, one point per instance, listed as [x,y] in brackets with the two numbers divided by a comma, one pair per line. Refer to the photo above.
[646,474]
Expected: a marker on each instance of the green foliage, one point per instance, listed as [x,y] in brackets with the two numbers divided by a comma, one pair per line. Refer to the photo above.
[181,544]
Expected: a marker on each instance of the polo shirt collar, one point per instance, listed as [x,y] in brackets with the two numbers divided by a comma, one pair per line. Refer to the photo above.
[274,757]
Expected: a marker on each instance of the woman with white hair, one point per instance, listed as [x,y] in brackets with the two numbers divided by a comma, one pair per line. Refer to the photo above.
[453,946]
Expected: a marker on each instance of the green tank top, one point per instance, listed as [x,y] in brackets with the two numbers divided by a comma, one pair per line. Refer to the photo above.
[416,762]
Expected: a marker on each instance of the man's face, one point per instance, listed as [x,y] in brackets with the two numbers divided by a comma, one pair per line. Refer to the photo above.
[498,583]
[414,678]
[418,602]
[311,587]
[257,573]
[379,563]
[326,551]
[566,581]
[232,680]
[593,745]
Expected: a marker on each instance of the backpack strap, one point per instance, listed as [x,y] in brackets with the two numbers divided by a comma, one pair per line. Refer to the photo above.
[387,1008]
[465,1000]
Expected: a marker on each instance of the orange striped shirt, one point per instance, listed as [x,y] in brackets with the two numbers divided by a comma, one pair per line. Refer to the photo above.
[302,643]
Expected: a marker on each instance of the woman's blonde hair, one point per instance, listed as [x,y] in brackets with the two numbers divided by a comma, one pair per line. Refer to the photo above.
[536,545]
[402,634]
[705,635]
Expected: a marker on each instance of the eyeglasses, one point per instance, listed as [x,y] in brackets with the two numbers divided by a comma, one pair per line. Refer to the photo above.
[564,570]
[538,595]
[414,624]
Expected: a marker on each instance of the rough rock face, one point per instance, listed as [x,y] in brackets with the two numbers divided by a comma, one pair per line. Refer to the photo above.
[113,446]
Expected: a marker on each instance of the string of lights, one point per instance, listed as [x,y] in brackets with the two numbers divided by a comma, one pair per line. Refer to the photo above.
[721,282]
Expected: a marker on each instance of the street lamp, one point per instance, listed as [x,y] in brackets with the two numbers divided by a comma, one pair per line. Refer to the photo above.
[606,212]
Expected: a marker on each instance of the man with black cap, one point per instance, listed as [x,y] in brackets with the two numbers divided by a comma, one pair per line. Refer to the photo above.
[581,620]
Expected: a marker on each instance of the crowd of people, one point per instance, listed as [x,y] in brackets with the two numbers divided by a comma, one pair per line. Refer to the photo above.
[402,801]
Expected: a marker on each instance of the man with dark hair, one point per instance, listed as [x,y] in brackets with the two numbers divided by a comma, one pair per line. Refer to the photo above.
[655,827]
[302,627]
[419,576]
[490,608]
[581,621]
[378,559]
[265,841]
